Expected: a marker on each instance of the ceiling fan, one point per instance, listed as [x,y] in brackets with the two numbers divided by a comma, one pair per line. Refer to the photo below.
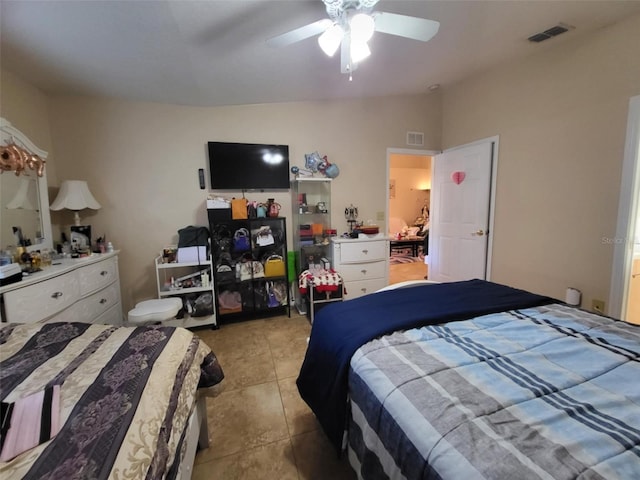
[350,26]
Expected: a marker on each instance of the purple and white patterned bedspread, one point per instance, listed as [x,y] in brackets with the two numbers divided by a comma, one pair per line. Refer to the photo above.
[126,395]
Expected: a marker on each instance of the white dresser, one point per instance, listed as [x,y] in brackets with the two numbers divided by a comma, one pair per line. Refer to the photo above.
[363,263]
[70,290]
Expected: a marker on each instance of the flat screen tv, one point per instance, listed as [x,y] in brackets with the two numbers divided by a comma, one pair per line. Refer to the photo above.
[248,166]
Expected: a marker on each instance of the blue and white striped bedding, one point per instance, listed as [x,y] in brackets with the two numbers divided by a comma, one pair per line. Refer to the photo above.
[549,392]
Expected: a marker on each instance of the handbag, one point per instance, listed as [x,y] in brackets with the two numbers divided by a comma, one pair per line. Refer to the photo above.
[222,239]
[193,236]
[239,208]
[264,237]
[241,240]
[252,212]
[261,211]
[274,266]
[272,301]
[230,301]
[251,269]
[224,269]
[274,209]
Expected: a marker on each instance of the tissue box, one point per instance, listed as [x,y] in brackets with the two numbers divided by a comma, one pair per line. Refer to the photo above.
[218,203]
[10,274]
[192,254]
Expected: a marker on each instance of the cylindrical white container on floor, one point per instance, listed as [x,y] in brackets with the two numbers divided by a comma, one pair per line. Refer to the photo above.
[573,296]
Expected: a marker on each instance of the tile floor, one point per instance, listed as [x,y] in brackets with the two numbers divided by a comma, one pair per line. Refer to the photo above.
[407,271]
[259,427]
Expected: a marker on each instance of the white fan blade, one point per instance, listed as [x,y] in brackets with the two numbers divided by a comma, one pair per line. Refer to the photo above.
[346,66]
[405,26]
[298,34]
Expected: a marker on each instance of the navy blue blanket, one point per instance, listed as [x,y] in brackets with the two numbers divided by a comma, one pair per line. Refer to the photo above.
[341,328]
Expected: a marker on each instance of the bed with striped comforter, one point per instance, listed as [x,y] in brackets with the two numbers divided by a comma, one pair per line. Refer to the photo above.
[549,392]
[125,396]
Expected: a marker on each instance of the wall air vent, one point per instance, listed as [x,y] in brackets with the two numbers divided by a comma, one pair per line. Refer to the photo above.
[415,139]
[549,33]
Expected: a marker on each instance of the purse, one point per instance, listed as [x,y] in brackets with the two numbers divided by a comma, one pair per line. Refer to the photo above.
[274,209]
[264,237]
[261,211]
[224,269]
[252,212]
[239,208]
[274,266]
[230,301]
[251,269]
[272,301]
[193,236]
[222,239]
[241,240]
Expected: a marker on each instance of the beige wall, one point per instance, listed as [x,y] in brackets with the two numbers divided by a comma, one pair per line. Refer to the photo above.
[26,108]
[561,117]
[141,161]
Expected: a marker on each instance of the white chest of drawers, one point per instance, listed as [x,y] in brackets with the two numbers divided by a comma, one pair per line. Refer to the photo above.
[363,264]
[75,290]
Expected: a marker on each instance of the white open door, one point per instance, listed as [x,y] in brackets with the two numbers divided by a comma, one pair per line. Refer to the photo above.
[460,211]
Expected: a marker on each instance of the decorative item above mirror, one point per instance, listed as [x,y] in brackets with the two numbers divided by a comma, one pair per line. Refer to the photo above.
[24,199]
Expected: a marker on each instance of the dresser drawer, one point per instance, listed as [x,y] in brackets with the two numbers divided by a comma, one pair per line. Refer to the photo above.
[41,300]
[358,252]
[113,316]
[363,271]
[90,308]
[363,287]
[98,275]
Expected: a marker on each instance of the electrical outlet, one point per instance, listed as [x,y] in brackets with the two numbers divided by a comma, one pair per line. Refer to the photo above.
[597,306]
[380,216]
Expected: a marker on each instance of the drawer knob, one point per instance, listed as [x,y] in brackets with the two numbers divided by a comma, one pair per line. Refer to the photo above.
[103,273]
[365,251]
[363,290]
[103,301]
[364,272]
[56,295]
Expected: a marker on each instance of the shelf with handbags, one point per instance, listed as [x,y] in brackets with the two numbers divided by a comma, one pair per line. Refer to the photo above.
[249,263]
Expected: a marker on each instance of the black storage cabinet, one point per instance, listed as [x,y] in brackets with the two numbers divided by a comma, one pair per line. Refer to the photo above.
[243,291]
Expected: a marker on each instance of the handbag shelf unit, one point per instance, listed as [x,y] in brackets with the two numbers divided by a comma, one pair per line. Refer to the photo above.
[194,284]
[249,266]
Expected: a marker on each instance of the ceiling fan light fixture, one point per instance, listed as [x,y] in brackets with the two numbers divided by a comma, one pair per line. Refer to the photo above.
[362,27]
[359,50]
[330,40]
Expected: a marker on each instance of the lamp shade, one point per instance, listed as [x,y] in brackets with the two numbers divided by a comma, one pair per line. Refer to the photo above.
[362,27]
[74,195]
[330,40]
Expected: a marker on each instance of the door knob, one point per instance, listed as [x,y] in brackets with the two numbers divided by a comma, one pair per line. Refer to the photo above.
[479,233]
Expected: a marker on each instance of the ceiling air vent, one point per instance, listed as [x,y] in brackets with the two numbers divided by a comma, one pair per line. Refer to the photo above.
[549,33]
[415,139]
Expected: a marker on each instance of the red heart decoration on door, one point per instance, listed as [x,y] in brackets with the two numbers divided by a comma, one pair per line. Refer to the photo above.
[457,177]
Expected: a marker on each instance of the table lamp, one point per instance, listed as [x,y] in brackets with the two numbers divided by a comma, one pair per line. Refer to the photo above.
[75,195]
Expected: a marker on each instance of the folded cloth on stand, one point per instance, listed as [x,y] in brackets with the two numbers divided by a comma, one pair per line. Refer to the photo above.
[322,280]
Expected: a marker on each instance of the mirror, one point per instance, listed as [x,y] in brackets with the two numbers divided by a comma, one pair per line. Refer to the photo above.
[24,199]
